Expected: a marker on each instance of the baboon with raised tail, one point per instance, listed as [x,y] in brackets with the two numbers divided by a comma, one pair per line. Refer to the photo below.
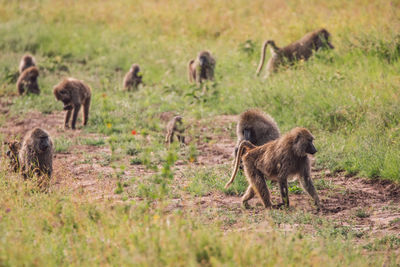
[301,49]
[74,94]
[277,160]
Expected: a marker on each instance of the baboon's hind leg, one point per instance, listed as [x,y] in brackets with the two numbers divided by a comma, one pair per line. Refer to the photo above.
[257,181]
[247,196]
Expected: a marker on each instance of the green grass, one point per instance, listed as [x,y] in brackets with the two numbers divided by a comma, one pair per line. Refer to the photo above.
[347,97]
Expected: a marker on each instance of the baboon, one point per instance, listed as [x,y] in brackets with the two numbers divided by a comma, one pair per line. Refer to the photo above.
[73,93]
[12,153]
[277,160]
[26,62]
[201,68]
[36,154]
[28,80]
[133,78]
[175,125]
[301,49]
[257,127]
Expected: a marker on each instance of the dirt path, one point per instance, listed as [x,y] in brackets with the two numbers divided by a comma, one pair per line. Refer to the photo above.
[364,204]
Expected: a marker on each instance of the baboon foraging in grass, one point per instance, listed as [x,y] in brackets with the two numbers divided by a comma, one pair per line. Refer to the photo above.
[12,153]
[277,160]
[26,62]
[301,49]
[28,80]
[201,68]
[257,127]
[175,126]
[36,154]
[133,78]
[73,93]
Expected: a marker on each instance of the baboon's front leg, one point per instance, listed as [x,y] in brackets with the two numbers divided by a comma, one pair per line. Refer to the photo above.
[67,117]
[75,115]
[86,107]
[307,184]
[283,186]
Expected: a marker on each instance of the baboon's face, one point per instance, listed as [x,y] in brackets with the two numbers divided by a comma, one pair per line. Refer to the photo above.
[203,60]
[65,96]
[303,144]
[43,143]
[323,39]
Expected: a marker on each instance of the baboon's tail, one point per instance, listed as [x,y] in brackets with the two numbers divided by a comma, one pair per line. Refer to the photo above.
[244,144]
[190,70]
[261,64]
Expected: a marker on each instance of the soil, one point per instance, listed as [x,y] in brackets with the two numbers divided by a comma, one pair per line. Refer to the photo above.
[367,205]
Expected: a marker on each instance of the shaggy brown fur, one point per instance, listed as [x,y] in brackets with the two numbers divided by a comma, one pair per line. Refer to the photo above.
[201,68]
[301,49]
[36,154]
[277,160]
[133,78]
[175,126]
[26,62]
[73,93]
[28,80]
[12,153]
[257,127]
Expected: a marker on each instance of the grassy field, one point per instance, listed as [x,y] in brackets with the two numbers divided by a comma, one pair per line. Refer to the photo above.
[348,97]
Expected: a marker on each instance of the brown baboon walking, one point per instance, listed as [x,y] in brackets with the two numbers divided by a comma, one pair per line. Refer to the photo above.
[133,78]
[257,127]
[301,49]
[201,68]
[12,153]
[36,154]
[28,80]
[26,62]
[175,125]
[73,93]
[277,160]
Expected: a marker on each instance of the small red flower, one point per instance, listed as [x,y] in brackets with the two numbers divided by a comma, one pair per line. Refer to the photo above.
[133,132]
[104,95]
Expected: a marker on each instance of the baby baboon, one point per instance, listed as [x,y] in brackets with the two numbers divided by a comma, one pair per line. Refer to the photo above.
[12,153]
[28,80]
[301,49]
[133,78]
[36,154]
[257,127]
[73,93]
[175,126]
[201,68]
[26,62]
[277,160]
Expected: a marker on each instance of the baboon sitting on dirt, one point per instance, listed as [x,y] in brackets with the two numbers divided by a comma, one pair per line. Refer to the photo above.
[28,80]
[277,160]
[36,154]
[133,78]
[301,49]
[175,125]
[26,62]
[73,93]
[201,68]
[257,127]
